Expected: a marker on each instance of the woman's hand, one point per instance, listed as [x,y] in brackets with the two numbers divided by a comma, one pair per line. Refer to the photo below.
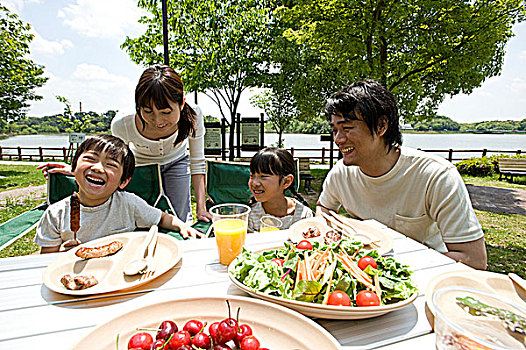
[61,168]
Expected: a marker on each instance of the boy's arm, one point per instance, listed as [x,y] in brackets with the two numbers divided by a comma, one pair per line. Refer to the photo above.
[171,222]
[45,250]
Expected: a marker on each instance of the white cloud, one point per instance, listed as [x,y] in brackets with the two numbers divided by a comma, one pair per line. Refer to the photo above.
[102,18]
[18,5]
[40,45]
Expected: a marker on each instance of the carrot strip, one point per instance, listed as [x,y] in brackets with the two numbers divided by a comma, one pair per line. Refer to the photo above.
[355,271]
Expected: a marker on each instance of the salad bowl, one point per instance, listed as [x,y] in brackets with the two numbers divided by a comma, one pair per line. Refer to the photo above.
[264,274]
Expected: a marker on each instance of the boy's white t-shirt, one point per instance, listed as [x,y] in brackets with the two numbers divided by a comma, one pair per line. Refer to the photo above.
[122,212]
[423,196]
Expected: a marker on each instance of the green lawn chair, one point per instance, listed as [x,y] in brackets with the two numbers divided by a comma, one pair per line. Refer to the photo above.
[146,183]
[227,182]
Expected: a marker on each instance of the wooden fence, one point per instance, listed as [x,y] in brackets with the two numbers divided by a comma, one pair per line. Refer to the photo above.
[43,154]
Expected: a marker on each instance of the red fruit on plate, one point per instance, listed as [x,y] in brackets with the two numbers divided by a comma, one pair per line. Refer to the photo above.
[179,339]
[158,344]
[249,343]
[225,332]
[243,331]
[193,327]
[366,261]
[222,347]
[166,329]
[201,340]
[212,329]
[140,341]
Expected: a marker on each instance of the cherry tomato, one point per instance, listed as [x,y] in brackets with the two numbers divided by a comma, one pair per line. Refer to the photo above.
[339,297]
[249,343]
[367,298]
[366,261]
[140,341]
[304,245]
[278,261]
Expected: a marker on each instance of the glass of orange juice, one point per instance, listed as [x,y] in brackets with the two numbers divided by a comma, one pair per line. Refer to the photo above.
[230,222]
[269,223]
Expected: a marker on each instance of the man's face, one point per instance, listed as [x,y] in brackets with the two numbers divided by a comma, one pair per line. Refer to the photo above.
[355,141]
[98,176]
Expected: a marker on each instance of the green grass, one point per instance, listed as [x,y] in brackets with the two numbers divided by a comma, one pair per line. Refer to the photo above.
[519,182]
[19,176]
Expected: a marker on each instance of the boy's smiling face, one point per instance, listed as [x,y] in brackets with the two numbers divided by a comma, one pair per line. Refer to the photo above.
[98,176]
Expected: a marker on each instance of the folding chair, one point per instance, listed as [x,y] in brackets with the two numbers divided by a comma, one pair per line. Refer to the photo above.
[145,182]
[227,182]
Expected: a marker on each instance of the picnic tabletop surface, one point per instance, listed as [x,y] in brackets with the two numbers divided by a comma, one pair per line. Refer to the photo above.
[31,314]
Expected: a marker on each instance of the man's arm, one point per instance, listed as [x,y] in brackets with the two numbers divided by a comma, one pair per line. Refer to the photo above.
[470,253]
[320,208]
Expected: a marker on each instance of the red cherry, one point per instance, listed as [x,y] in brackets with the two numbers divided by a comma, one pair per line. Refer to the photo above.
[222,347]
[201,340]
[225,332]
[140,341]
[243,331]
[249,343]
[179,339]
[166,329]
[158,344]
[212,329]
[193,326]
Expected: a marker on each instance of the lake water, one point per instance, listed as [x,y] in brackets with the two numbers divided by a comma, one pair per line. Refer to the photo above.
[503,142]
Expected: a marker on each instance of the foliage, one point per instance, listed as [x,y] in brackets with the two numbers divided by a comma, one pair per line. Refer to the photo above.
[438,124]
[220,47]
[19,75]
[485,166]
[477,166]
[279,108]
[75,122]
[420,50]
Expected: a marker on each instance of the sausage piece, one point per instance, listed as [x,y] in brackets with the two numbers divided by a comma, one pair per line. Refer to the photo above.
[99,252]
[78,282]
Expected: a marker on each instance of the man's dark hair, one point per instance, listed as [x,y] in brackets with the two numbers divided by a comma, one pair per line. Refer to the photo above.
[372,101]
[114,146]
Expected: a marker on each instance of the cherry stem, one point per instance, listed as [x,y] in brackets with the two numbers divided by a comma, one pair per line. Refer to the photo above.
[202,328]
[148,329]
[237,318]
[229,313]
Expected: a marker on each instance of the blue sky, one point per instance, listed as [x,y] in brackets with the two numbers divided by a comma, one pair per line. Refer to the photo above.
[78,42]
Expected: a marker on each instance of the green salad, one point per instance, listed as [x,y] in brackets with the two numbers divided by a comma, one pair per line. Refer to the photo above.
[340,273]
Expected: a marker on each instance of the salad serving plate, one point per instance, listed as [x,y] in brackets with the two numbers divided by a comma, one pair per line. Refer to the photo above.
[276,327]
[108,270]
[320,310]
[383,241]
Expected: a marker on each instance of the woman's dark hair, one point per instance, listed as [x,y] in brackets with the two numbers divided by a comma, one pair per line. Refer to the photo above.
[372,101]
[114,146]
[275,161]
[161,85]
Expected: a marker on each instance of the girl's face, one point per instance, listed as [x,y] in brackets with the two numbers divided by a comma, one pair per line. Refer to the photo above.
[161,122]
[266,187]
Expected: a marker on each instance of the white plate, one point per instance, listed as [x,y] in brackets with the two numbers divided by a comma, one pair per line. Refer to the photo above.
[108,270]
[274,326]
[365,232]
[320,310]
[486,281]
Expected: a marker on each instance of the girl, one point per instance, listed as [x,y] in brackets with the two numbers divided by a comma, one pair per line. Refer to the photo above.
[271,173]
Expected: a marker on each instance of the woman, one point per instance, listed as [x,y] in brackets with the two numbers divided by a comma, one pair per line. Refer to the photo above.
[165,130]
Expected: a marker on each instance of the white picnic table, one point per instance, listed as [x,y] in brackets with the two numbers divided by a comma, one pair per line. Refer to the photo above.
[31,315]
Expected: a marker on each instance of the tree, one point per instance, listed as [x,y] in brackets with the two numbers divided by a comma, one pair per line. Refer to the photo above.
[220,47]
[421,50]
[75,122]
[19,75]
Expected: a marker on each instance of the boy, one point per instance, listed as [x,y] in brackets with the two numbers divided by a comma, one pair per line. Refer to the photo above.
[102,165]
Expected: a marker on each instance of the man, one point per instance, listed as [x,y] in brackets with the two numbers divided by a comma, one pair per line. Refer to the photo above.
[413,192]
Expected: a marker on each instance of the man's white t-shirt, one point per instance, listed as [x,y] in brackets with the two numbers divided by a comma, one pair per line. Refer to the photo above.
[423,196]
[122,212]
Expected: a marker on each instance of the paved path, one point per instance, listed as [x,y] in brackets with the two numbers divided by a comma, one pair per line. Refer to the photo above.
[497,199]
[33,192]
